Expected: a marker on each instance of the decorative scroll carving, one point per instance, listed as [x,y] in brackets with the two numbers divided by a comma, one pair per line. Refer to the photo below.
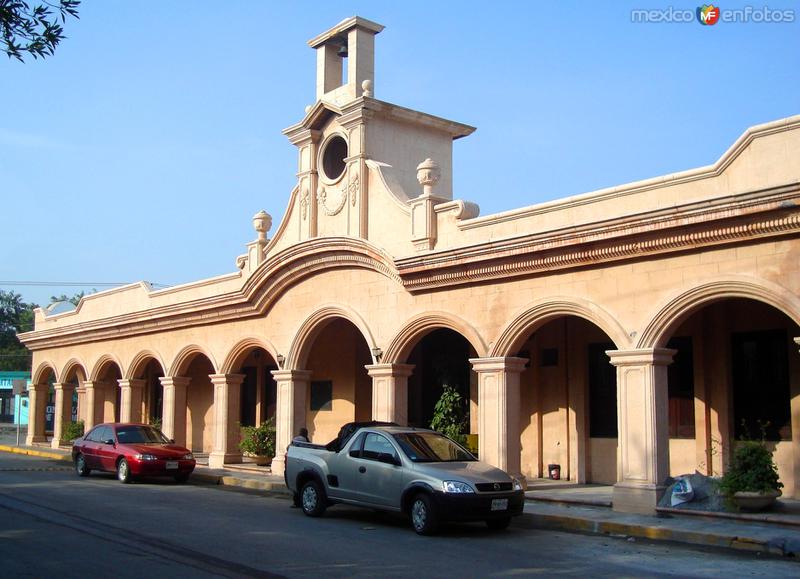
[322,199]
[354,189]
[304,203]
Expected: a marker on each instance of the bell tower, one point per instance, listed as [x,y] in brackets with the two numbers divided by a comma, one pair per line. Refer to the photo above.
[351,42]
[357,155]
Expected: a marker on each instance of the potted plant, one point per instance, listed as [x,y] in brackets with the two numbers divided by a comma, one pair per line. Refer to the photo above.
[751,480]
[258,442]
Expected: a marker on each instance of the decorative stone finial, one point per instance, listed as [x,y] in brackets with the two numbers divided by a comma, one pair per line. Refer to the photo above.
[262,221]
[428,175]
[308,108]
[367,87]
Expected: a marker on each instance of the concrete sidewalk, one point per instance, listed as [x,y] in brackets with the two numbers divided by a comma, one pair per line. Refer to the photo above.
[568,507]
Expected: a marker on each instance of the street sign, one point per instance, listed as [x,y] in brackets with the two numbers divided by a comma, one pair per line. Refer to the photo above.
[19,387]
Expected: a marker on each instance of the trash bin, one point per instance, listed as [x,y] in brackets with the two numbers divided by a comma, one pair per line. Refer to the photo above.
[554,471]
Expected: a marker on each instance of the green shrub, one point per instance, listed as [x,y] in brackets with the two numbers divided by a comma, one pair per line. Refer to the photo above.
[752,469]
[449,416]
[72,430]
[259,440]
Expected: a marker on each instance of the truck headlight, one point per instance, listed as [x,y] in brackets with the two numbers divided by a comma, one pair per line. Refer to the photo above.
[517,485]
[454,486]
[146,457]
[188,456]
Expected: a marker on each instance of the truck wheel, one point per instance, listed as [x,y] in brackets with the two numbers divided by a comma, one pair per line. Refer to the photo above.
[313,499]
[423,515]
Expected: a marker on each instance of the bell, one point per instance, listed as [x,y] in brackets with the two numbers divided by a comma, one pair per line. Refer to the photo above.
[342,52]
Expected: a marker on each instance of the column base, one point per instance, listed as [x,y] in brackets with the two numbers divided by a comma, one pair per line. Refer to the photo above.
[220,459]
[30,440]
[279,464]
[641,499]
[56,443]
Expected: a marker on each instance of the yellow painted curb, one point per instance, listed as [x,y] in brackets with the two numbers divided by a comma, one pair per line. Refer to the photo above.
[34,452]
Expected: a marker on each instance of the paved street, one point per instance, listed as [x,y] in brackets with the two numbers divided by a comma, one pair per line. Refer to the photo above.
[53,523]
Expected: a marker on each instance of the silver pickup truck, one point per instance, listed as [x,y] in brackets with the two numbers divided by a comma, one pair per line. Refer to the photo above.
[414,471]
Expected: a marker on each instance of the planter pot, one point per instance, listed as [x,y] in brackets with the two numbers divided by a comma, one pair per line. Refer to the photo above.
[257,459]
[755,501]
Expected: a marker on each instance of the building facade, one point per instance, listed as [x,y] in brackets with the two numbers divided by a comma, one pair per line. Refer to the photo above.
[625,334]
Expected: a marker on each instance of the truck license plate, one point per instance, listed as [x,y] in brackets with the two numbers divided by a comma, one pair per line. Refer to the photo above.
[172,464]
[499,504]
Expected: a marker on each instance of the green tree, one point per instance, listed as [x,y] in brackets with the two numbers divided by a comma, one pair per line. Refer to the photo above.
[33,30]
[449,414]
[15,316]
[73,300]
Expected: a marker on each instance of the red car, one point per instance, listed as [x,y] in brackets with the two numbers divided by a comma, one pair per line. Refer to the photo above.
[131,450]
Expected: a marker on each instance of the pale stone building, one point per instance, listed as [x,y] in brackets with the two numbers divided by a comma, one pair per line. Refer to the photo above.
[624,334]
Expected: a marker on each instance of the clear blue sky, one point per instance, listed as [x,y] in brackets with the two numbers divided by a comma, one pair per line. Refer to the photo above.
[144,146]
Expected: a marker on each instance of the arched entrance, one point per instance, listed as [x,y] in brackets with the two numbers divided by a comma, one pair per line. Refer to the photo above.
[40,399]
[441,359]
[146,375]
[735,375]
[568,395]
[340,390]
[105,402]
[258,392]
[199,426]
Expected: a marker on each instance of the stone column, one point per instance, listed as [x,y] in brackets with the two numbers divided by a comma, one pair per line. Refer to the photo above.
[63,411]
[95,401]
[643,415]
[390,392]
[131,400]
[81,390]
[37,408]
[173,409]
[227,392]
[498,412]
[290,414]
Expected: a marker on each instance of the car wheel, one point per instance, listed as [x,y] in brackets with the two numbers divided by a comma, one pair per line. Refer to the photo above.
[123,471]
[80,466]
[423,515]
[312,499]
[182,477]
[498,524]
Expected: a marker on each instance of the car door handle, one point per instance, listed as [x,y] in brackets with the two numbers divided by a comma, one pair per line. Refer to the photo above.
[362,469]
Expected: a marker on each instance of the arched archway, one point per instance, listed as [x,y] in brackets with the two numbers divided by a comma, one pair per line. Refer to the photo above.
[195,369]
[105,401]
[335,350]
[418,327]
[568,390]
[40,398]
[73,376]
[736,369]
[145,373]
[254,359]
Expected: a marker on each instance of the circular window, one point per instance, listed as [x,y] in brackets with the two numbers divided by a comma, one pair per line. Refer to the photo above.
[333,157]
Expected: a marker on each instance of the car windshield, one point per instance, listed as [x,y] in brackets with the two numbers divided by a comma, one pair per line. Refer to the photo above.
[140,435]
[431,447]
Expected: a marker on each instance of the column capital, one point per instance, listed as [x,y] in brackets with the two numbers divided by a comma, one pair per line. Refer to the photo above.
[231,379]
[641,356]
[133,383]
[797,341]
[63,386]
[38,387]
[389,370]
[509,364]
[293,375]
[174,380]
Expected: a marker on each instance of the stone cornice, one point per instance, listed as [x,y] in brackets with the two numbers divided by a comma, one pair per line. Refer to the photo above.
[262,289]
[730,219]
